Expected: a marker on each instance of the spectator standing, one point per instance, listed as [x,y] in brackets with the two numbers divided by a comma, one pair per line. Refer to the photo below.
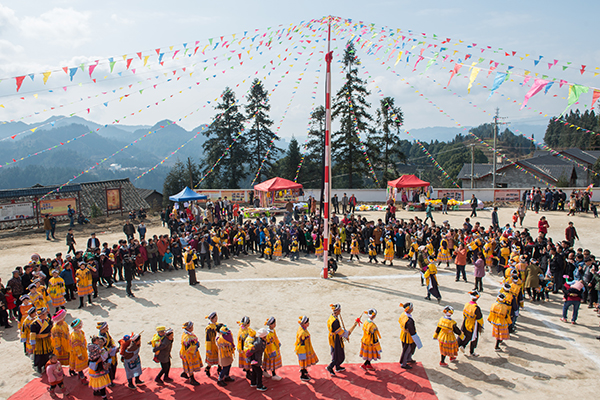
[473,205]
[345,204]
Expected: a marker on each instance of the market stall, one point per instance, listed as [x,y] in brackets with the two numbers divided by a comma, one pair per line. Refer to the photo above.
[404,183]
[273,195]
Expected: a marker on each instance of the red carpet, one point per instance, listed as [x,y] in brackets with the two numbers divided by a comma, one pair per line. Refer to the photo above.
[387,381]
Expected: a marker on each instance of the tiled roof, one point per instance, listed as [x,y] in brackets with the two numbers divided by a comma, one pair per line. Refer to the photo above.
[37,191]
[94,193]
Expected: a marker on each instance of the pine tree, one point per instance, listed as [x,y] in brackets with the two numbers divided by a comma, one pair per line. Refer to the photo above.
[260,136]
[177,179]
[286,167]
[311,173]
[225,129]
[351,107]
[386,140]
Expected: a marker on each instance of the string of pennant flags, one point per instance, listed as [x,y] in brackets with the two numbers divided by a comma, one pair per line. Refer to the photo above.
[275,134]
[260,38]
[479,140]
[15,160]
[124,148]
[226,151]
[545,147]
[312,110]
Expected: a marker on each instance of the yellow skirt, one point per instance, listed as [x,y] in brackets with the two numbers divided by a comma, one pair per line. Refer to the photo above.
[58,301]
[444,256]
[76,364]
[99,380]
[449,349]
[500,332]
[84,290]
[354,251]
[277,253]
[319,251]
[191,364]
[389,257]
[243,361]
[272,363]
[212,357]
[370,351]
[311,359]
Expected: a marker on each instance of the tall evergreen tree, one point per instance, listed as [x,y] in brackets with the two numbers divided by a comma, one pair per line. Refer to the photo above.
[223,131]
[260,134]
[311,173]
[351,107]
[177,179]
[286,166]
[385,142]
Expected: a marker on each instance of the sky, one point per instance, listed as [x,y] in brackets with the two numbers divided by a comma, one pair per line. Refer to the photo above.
[40,36]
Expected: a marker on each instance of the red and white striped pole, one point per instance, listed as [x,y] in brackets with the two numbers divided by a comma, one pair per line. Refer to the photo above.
[327,163]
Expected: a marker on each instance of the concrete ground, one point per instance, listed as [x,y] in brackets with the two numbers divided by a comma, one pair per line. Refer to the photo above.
[544,356]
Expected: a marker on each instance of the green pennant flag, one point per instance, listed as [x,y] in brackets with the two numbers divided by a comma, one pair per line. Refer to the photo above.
[574,92]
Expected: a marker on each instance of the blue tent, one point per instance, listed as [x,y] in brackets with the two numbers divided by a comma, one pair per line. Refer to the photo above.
[187,194]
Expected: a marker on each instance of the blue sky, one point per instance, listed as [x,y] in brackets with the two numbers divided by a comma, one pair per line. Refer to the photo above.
[36,36]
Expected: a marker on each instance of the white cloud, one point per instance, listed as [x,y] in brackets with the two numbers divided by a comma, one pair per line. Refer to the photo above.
[121,20]
[7,18]
[59,26]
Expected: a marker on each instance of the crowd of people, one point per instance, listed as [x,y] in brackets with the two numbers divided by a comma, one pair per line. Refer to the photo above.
[532,267]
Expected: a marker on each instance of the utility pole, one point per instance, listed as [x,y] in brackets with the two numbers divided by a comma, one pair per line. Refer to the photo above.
[496,117]
[472,164]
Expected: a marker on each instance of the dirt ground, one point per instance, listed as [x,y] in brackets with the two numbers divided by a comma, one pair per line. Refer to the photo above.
[544,356]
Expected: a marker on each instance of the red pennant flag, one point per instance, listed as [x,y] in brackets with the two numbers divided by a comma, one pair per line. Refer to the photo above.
[157,51]
[595,97]
[582,70]
[13,136]
[66,69]
[514,52]
[19,81]
[139,55]
[129,62]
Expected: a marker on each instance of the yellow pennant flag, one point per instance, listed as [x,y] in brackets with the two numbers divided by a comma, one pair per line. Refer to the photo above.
[146,60]
[35,95]
[474,73]
[46,76]
[33,129]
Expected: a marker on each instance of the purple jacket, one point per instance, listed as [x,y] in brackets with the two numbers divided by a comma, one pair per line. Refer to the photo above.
[479,268]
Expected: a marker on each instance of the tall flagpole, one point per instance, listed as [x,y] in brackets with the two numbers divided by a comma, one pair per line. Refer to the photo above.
[327,163]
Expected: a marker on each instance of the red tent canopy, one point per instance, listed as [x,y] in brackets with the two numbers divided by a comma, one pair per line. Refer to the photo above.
[407,181]
[277,184]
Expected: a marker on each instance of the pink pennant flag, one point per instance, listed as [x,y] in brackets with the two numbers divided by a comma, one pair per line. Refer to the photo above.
[19,81]
[595,97]
[92,68]
[457,68]
[537,86]
[562,82]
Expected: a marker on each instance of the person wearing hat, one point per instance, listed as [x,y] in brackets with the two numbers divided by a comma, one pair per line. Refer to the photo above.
[354,250]
[408,336]
[68,277]
[162,353]
[370,347]
[336,335]
[472,324]
[388,253]
[189,258]
[445,333]
[226,349]
[40,340]
[25,330]
[56,290]
[500,320]
[97,368]
[243,333]
[212,352]
[189,354]
[84,282]
[130,355]
[111,348]
[304,349]
[295,249]
[255,355]
[78,356]
[60,337]
[430,276]
[516,290]
[272,360]
[372,251]
[38,294]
